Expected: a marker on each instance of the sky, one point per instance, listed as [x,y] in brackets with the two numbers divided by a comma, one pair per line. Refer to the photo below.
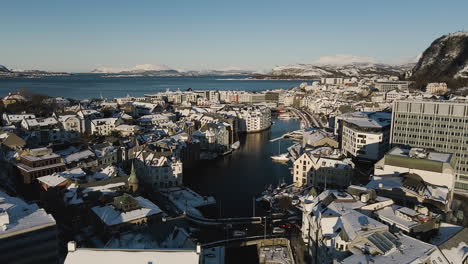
[78,36]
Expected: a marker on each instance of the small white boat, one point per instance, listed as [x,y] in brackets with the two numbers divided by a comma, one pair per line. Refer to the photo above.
[235,145]
[280,158]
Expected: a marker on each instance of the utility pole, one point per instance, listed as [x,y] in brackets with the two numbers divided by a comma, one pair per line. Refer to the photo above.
[253,206]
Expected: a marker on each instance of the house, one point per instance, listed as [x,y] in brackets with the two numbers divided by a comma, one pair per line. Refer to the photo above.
[104,126]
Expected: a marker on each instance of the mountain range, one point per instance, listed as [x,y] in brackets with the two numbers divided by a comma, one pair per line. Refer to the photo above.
[351,69]
[164,70]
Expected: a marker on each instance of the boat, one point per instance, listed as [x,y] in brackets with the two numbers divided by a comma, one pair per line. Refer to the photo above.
[281,158]
[235,145]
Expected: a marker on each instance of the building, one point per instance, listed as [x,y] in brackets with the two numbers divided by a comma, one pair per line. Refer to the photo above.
[27,233]
[416,176]
[338,228]
[104,126]
[365,135]
[387,86]
[437,88]
[322,167]
[117,256]
[72,123]
[124,212]
[254,118]
[159,172]
[438,125]
[11,119]
[39,162]
[318,138]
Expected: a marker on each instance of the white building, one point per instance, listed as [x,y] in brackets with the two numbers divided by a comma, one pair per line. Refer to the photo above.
[72,123]
[159,172]
[104,126]
[322,167]
[254,118]
[365,135]
[437,88]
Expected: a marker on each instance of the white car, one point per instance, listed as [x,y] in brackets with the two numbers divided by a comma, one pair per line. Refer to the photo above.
[278,230]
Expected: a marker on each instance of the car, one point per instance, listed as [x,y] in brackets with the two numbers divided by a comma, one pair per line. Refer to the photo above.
[238,233]
[278,230]
[286,226]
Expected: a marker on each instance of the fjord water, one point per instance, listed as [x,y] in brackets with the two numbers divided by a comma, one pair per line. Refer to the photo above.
[83,86]
[235,179]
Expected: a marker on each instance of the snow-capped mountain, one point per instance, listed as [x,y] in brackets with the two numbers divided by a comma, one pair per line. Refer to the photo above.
[140,68]
[164,70]
[446,59]
[4,69]
[354,69]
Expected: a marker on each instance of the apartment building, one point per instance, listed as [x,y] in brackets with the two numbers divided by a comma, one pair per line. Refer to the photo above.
[323,167]
[387,86]
[438,125]
[365,135]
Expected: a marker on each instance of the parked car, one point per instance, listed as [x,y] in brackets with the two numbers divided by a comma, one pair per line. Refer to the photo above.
[238,233]
[278,230]
[286,226]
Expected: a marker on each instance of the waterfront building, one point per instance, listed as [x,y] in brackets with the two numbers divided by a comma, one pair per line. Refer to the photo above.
[27,233]
[322,167]
[253,118]
[364,135]
[438,125]
[318,138]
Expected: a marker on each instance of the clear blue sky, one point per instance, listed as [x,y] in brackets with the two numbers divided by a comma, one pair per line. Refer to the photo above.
[198,34]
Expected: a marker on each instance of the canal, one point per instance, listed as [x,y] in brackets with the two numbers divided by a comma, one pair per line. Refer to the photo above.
[234,180]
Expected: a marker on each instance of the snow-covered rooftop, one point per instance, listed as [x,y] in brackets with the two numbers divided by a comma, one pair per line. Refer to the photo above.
[17,216]
[111,216]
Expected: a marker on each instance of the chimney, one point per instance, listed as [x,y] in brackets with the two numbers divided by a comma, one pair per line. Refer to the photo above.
[198,249]
[71,246]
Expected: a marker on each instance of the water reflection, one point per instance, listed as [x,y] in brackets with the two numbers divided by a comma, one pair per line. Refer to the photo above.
[235,179]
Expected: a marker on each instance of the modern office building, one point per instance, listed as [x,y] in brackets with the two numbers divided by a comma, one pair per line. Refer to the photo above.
[438,125]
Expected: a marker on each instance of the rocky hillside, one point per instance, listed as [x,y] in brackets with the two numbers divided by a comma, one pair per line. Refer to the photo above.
[446,60]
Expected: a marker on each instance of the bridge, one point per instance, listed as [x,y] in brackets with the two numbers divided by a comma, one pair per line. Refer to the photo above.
[223,221]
